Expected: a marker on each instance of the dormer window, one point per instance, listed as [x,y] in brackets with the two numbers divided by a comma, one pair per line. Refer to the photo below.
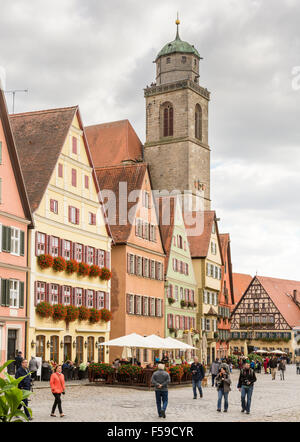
[168,60]
[183,59]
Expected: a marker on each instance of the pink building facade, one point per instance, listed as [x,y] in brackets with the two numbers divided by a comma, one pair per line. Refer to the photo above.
[15,219]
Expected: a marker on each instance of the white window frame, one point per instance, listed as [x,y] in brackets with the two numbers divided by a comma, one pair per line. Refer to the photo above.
[78,296]
[15,242]
[131,304]
[40,292]
[14,293]
[54,294]
[146,306]
[89,298]
[101,300]
[78,255]
[67,293]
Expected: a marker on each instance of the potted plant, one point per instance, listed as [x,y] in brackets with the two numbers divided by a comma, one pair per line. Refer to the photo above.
[106,315]
[94,271]
[59,264]
[105,274]
[45,261]
[171,330]
[44,309]
[83,269]
[59,312]
[95,315]
[72,313]
[171,300]
[72,266]
[84,313]
[183,303]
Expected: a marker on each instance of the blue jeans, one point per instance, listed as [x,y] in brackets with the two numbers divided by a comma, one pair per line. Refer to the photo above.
[221,393]
[246,392]
[197,384]
[161,396]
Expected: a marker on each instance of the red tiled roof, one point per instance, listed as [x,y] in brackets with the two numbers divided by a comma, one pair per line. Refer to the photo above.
[226,253]
[109,179]
[224,240]
[112,143]
[14,157]
[241,282]
[281,293]
[199,241]
[40,137]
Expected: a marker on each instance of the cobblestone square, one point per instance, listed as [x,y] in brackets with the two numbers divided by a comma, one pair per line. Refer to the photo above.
[272,401]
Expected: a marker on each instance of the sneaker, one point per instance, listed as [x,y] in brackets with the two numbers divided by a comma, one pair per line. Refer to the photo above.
[242,411]
[52,414]
[201,395]
[248,412]
[219,410]
[225,411]
[163,413]
[195,397]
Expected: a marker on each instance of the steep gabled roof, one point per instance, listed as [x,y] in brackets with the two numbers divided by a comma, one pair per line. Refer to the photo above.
[14,158]
[241,282]
[281,293]
[109,178]
[226,252]
[167,209]
[114,142]
[40,137]
[199,242]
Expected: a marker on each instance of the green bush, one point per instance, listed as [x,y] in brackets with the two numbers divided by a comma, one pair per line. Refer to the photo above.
[11,397]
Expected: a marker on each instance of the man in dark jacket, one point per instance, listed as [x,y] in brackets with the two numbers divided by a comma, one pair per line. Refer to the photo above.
[246,385]
[25,384]
[198,374]
[273,366]
[160,379]
[18,360]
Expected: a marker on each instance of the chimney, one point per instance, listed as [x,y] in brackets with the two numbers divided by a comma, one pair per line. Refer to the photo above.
[295,295]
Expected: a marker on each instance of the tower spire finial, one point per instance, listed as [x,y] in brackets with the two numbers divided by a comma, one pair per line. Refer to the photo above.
[177,24]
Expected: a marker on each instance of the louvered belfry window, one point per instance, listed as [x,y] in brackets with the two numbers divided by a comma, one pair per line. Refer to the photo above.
[198,122]
[168,117]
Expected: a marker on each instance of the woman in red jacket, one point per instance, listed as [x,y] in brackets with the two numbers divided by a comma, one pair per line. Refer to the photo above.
[57,384]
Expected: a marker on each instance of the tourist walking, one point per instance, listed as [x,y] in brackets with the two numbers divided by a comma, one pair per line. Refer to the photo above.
[198,374]
[33,367]
[18,360]
[57,384]
[281,368]
[297,367]
[246,385]
[24,384]
[214,370]
[160,379]
[266,365]
[223,382]
[273,366]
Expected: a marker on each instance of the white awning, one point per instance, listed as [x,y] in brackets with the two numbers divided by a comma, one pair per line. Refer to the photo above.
[133,340]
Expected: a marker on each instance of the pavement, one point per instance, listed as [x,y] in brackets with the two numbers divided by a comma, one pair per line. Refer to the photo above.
[272,401]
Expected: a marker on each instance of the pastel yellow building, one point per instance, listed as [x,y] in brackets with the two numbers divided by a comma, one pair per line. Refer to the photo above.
[207,263]
[69,223]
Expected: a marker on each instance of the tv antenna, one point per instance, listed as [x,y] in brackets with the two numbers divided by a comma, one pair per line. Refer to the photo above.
[13,92]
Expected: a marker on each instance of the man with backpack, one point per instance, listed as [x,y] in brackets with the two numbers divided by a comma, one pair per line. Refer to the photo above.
[246,385]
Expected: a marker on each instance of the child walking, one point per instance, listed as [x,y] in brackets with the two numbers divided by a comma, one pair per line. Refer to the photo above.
[57,384]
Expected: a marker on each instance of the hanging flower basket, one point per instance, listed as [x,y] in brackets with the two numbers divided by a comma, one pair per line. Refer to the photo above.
[183,303]
[44,309]
[171,300]
[45,261]
[95,315]
[59,312]
[84,313]
[94,271]
[83,269]
[72,313]
[105,274]
[72,266]
[59,264]
[106,315]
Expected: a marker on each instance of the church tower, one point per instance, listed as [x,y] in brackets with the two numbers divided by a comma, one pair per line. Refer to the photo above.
[176,146]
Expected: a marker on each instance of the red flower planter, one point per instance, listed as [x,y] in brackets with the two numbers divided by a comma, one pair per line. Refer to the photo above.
[94,271]
[83,269]
[59,312]
[44,309]
[59,264]
[72,313]
[106,315]
[105,274]
[72,266]
[95,315]
[84,313]
[45,261]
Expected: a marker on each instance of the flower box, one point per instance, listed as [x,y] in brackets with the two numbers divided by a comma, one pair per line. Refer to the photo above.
[83,269]
[105,274]
[44,309]
[183,303]
[94,271]
[45,261]
[95,315]
[59,264]
[72,266]
[106,315]
[84,313]
[171,301]
[72,313]
[59,312]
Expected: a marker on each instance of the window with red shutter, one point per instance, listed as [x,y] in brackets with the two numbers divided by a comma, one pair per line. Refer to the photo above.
[60,170]
[74,177]
[74,145]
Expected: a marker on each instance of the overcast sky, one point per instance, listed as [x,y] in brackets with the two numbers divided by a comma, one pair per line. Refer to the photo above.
[99,54]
